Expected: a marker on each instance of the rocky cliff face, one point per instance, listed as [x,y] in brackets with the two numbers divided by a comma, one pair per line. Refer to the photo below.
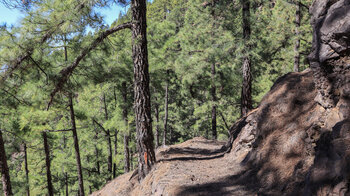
[298,141]
[330,59]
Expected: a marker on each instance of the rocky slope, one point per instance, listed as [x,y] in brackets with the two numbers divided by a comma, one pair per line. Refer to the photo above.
[297,142]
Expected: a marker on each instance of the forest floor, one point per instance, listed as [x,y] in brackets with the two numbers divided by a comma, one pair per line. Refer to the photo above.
[195,167]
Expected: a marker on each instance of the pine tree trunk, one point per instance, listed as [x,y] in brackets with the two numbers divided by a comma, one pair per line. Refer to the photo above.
[5,175]
[48,165]
[126,133]
[66,183]
[246,97]
[108,133]
[297,42]
[126,154]
[166,108]
[157,126]
[213,96]
[115,140]
[142,97]
[115,153]
[76,147]
[97,161]
[131,163]
[26,168]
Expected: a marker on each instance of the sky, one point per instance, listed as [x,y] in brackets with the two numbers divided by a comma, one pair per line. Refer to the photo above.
[12,17]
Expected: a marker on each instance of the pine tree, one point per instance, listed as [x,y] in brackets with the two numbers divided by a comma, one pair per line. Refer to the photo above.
[246,95]
[141,93]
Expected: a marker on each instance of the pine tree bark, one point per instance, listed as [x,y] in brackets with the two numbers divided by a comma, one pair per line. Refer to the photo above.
[246,97]
[115,139]
[66,182]
[76,147]
[115,153]
[48,165]
[213,97]
[131,163]
[97,161]
[297,41]
[146,155]
[26,168]
[166,99]
[126,133]
[126,154]
[157,120]
[108,135]
[5,175]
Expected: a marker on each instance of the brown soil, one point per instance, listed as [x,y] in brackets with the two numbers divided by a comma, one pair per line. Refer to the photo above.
[195,167]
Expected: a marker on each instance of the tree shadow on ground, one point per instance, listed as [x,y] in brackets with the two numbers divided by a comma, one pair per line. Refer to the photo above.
[189,153]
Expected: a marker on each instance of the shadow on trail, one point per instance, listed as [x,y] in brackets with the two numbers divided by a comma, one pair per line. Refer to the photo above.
[188,154]
[230,185]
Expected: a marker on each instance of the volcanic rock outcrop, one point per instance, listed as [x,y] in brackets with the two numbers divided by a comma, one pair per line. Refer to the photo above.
[298,140]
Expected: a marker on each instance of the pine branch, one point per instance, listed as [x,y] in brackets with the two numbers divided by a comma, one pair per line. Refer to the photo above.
[100,125]
[67,72]
[15,64]
[62,130]
[14,96]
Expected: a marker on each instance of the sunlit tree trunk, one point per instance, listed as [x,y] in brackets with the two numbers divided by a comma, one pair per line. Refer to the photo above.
[142,105]
[246,97]
[76,147]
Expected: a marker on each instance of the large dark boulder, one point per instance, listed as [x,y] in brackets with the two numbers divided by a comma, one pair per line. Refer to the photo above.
[330,59]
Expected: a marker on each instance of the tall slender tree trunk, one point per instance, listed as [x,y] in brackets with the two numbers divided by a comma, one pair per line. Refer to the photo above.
[66,182]
[115,139]
[97,162]
[142,97]
[64,136]
[157,120]
[48,165]
[226,125]
[213,97]
[115,153]
[127,131]
[5,175]
[126,154]
[131,163]
[76,146]
[108,133]
[246,97]
[297,41]
[26,168]
[166,108]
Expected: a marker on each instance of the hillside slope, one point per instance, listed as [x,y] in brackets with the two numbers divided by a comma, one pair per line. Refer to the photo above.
[272,154]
